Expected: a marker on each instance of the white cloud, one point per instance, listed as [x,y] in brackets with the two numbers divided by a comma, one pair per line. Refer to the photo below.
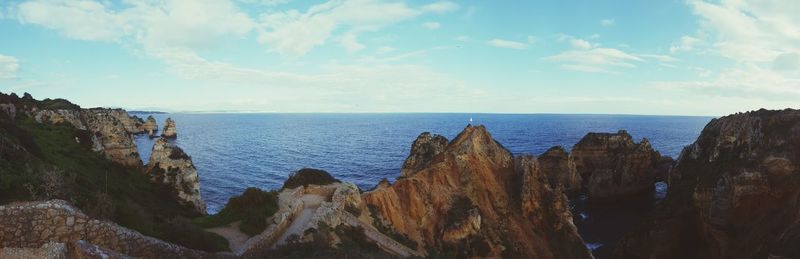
[432,25]
[595,60]
[385,49]
[787,62]
[607,22]
[686,43]
[462,38]
[78,19]
[350,42]
[580,44]
[9,66]
[266,2]
[440,7]
[508,44]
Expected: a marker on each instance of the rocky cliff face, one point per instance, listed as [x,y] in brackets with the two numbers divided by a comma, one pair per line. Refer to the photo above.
[560,169]
[149,126]
[111,136]
[613,166]
[734,193]
[169,165]
[424,148]
[475,198]
[170,131]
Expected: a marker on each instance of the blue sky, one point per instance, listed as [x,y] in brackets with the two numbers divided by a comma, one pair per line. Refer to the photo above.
[625,57]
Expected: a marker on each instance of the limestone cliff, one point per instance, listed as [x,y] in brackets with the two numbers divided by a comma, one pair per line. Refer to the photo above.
[169,165]
[734,193]
[170,131]
[111,136]
[149,126]
[613,166]
[476,199]
[424,148]
[560,169]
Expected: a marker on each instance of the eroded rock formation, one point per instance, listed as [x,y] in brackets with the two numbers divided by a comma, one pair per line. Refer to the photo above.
[170,131]
[111,136]
[474,197]
[734,193]
[613,166]
[149,126]
[169,165]
[423,150]
[560,169]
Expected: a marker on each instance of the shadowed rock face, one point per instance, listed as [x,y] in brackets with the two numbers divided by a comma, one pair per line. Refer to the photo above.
[424,149]
[560,169]
[734,193]
[613,166]
[476,198]
[170,131]
[171,166]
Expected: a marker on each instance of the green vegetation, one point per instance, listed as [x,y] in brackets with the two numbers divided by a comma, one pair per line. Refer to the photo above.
[42,161]
[306,176]
[253,207]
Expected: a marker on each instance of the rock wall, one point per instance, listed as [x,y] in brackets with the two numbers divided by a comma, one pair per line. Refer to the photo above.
[614,166]
[423,150]
[170,131]
[560,169]
[734,193]
[169,165]
[37,223]
[476,168]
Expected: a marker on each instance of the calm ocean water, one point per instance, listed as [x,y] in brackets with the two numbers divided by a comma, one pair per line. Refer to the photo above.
[236,151]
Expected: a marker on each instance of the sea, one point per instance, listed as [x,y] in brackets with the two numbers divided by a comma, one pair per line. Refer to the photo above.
[234,151]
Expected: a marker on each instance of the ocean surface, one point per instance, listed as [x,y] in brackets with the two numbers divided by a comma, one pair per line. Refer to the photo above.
[236,151]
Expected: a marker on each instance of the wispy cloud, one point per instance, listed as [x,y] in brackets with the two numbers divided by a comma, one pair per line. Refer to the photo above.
[432,25]
[507,44]
[595,60]
[8,67]
[607,22]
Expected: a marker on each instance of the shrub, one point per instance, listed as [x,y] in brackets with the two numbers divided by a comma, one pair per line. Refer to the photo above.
[306,176]
[253,207]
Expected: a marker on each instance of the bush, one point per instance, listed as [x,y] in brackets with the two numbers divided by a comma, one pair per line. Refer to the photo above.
[306,176]
[253,207]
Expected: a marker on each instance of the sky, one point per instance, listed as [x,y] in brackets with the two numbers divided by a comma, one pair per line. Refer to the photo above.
[664,57]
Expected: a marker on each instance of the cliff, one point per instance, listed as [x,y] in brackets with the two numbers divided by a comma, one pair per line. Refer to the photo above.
[170,131]
[112,136]
[475,199]
[424,148]
[560,169]
[734,193]
[613,165]
[171,166]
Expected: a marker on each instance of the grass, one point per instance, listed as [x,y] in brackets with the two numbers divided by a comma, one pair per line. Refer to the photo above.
[92,183]
[306,176]
[253,207]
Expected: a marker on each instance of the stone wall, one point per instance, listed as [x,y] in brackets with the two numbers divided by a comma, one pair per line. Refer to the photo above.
[34,224]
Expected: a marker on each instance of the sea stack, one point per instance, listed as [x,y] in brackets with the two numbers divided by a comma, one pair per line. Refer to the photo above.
[613,166]
[150,127]
[732,194]
[171,166]
[169,131]
[476,198]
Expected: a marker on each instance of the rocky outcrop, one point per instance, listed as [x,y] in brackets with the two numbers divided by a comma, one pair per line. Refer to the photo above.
[149,126]
[9,109]
[169,165]
[482,201]
[170,131]
[423,151]
[111,137]
[614,166]
[734,193]
[35,224]
[59,116]
[560,169]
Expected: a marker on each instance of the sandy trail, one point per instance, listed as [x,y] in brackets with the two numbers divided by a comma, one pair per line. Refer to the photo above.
[236,238]
[310,204]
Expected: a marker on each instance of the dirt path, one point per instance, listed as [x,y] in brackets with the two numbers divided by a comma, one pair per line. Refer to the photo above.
[310,204]
[236,238]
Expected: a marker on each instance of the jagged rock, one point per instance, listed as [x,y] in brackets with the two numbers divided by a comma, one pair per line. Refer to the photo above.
[111,136]
[423,151]
[150,127]
[475,168]
[734,193]
[169,129]
[560,169]
[169,165]
[9,109]
[59,116]
[613,166]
